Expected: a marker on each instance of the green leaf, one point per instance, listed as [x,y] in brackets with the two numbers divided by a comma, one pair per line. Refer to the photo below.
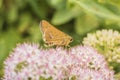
[64,15]
[1,2]
[40,8]
[97,9]
[20,3]
[85,23]
[12,14]
[57,4]
[25,22]
[8,40]
[1,23]
[114,2]
[35,33]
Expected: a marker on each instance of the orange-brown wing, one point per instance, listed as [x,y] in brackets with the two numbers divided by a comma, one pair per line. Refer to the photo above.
[51,34]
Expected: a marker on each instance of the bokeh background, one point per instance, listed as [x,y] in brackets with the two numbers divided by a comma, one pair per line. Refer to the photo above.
[19,20]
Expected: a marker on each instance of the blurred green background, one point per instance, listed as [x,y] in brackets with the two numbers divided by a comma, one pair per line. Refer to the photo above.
[19,20]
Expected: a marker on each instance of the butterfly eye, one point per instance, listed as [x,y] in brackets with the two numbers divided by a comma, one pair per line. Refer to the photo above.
[71,40]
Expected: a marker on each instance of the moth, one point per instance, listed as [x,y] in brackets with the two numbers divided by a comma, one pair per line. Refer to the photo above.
[52,36]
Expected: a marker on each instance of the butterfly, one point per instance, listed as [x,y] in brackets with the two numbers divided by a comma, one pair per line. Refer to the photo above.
[52,36]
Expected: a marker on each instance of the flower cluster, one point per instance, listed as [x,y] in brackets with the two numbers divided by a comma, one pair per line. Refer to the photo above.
[27,61]
[106,42]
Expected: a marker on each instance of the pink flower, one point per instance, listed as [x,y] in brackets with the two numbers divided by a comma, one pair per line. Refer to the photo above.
[27,61]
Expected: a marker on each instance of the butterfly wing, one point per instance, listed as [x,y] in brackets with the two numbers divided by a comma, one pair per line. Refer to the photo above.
[53,36]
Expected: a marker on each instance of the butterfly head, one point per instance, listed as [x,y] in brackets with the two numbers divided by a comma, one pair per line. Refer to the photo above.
[71,39]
